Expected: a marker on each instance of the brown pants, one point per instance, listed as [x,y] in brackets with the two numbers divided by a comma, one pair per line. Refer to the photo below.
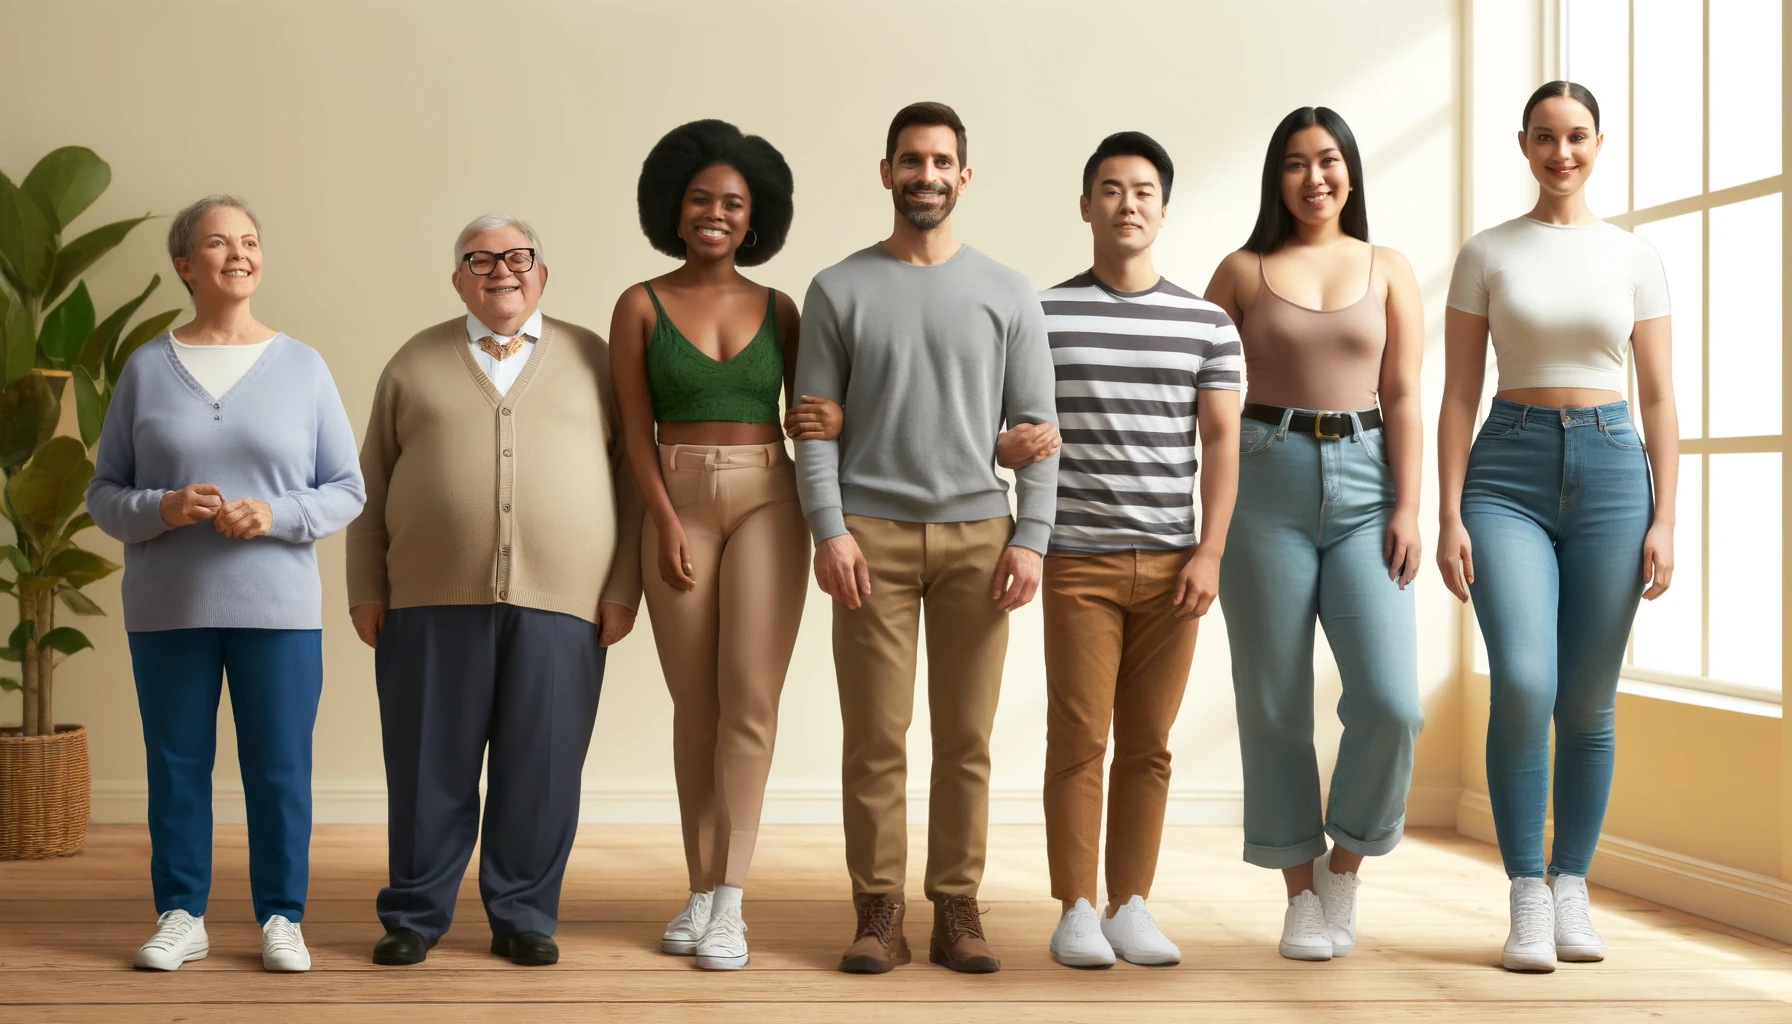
[1114,652]
[948,569]
[726,645]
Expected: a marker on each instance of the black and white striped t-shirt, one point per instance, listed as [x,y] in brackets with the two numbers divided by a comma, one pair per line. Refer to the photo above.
[1129,365]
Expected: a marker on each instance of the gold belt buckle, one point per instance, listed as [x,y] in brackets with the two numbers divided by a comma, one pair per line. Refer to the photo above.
[1319,418]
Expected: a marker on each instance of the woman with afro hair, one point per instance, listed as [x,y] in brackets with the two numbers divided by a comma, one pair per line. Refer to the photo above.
[699,356]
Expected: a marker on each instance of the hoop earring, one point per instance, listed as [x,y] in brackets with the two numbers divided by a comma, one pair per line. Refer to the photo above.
[752,239]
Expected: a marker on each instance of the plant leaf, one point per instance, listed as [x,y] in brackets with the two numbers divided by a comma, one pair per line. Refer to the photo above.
[73,259]
[67,181]
[12,554]
[140,334]
[9,684]
[100,342]
[90,407]
[28,413]
[21,635]
[50,487]
[27,240]
[7,586]
[21,341]
[67,326]
[79,567]
[78,602]
[65,639]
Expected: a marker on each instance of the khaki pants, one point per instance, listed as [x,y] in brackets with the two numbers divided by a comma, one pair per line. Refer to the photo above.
[1114,652]
[948,570]
[726,645]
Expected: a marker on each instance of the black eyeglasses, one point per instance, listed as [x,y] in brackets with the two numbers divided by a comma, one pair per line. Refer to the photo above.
[482,262]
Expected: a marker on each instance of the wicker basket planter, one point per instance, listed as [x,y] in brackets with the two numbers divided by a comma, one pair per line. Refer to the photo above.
[45,792]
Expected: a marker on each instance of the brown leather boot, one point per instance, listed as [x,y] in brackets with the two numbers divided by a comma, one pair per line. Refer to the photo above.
[879,945]
[958,940]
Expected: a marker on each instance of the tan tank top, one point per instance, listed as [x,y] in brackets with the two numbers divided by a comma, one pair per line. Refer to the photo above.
[1303,358]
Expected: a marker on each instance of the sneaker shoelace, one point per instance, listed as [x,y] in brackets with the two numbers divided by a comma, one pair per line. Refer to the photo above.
[1339,895]
[687,918]
[727,930]
[963,919]
[1532,917]
[172,929]
[1574,913]
[1084,923]
[878,918]
[1309,915]
[1142,924]
[282,936]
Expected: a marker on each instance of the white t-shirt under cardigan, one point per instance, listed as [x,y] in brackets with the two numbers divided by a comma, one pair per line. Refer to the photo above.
[217,368]
[1560,300]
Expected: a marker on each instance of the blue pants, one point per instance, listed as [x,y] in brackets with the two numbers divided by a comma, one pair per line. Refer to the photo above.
[1557,503]
[1307,545]
[276,676]
[512,689]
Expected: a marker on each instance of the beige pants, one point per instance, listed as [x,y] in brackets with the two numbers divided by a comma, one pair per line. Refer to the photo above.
[726,645]
[1114,653]
[948,570]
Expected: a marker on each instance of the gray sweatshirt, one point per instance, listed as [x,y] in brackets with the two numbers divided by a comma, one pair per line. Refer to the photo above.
[928,362]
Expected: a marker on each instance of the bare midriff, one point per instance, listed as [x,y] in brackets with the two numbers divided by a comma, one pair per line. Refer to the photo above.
[719,433]
[1561,398]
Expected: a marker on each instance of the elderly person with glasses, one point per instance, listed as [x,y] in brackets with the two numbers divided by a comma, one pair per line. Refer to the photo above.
[498,556]
[225,456]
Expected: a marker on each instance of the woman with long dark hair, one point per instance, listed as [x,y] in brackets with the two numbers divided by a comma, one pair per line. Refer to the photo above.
[1554,505]
[1326,526]
[700,356]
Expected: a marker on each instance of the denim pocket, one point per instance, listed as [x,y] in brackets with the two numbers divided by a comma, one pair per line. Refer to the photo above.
[1375,446]
[1624,437]
[1496,428]
[1255,437]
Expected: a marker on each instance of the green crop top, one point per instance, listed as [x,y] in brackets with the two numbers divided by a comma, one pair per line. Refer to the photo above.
[688,384]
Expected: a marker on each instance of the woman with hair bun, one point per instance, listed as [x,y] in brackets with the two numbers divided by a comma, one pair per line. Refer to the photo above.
[700,355]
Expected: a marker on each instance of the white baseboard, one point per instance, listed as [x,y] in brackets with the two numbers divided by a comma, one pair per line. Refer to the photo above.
[353,802]
[1734,897]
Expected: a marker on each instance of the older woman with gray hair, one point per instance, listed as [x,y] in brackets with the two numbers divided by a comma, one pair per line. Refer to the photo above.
[225,457]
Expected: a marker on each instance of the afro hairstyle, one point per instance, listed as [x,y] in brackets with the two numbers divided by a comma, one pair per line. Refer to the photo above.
[690,148]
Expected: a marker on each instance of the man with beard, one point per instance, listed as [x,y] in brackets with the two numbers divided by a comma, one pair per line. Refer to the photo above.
[930,346]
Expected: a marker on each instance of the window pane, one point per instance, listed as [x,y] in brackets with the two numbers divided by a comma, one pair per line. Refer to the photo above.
[1599,58]
[1679,241]
[1745,569]
[1745,318]
[1669,101]
[1667,636]
[1746,96]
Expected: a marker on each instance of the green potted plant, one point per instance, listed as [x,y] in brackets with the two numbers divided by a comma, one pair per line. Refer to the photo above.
[51,341]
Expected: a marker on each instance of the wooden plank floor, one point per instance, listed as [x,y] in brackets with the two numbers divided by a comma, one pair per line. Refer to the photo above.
[1433,917]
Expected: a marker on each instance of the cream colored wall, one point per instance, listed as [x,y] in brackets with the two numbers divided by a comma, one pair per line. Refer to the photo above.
[365,134]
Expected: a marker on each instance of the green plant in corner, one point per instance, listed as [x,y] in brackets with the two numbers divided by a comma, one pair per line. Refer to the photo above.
[51,339]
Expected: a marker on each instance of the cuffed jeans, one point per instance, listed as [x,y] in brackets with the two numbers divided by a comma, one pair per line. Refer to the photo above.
[1557,503]
[1307,545]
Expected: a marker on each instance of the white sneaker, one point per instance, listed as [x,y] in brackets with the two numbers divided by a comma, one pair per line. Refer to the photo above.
[283,946]
[1136,937]
[179,937]
[1531,946]
[724,943]
[1337,894]
[1305,935]
[688,927]
[1078,939]
[1576,939]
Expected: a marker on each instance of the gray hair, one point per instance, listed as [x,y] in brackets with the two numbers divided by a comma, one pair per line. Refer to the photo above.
[182,234]
[491,222]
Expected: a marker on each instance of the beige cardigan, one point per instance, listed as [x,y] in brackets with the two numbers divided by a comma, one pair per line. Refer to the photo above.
[474,497]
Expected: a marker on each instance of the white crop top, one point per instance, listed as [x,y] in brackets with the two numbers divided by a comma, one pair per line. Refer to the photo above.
[1560,300]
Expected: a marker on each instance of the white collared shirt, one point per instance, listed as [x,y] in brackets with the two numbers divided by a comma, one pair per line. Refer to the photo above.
[503,372]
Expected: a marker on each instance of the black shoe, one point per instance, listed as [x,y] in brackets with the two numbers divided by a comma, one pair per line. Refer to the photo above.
[401,947]
[527,949]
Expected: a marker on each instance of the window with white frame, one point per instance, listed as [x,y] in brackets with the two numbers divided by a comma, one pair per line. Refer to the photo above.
[1690,102]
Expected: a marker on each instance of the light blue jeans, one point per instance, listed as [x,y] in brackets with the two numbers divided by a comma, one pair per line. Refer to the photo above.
[1306,545]
[1557,503]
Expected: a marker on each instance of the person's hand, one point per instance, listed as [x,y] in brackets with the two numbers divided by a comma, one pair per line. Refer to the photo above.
[675,557]
[190,504]
[1658,560]
[244,519]
[841,570]
[1455,558]
[1017,577]
[370,622]
[1402,547]
[614,621]
[814,419]
[1020,446]
[1197,584]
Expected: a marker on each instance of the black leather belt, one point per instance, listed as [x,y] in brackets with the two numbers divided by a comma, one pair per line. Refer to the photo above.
[1327,426]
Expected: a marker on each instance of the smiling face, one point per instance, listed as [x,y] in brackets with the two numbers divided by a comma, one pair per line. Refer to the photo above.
[1561,144]
[503,298]
[225,261]
[1315,182]
[1125,207]
[715,214]
[924,178]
